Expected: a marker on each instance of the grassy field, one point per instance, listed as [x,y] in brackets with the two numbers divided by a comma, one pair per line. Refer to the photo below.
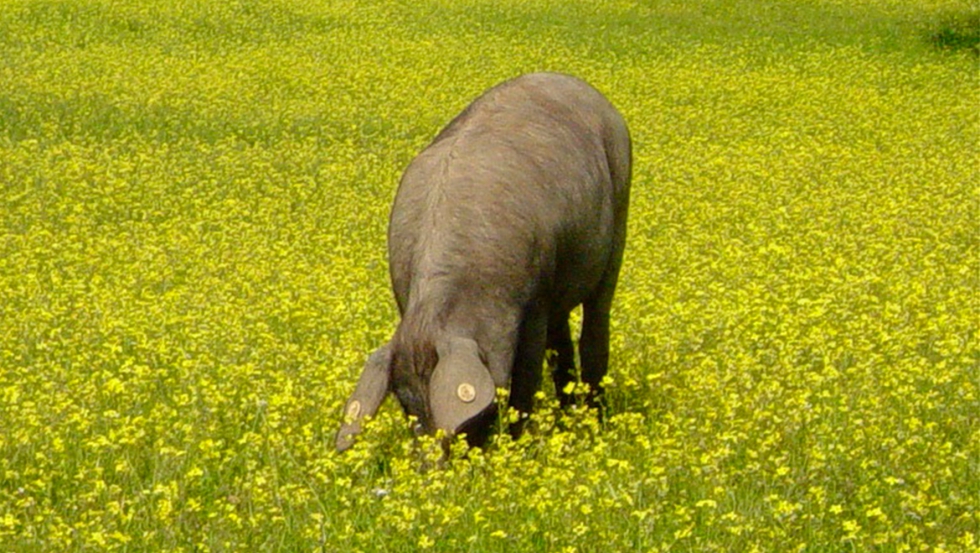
[193,203]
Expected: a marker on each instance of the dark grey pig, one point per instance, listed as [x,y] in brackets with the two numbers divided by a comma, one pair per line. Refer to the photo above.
[514,215]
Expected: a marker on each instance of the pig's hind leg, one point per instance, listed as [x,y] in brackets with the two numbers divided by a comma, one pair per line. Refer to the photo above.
[562,358]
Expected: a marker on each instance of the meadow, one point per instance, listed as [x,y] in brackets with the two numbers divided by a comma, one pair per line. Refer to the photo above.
[193,204]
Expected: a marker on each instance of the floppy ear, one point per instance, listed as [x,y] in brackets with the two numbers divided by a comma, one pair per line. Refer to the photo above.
[461,386]
[367,397]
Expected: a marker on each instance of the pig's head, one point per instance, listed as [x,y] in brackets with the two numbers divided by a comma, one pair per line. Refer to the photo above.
[444,386]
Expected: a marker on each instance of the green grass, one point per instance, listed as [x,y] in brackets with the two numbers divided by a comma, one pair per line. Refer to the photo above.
[193,202]
[959,31]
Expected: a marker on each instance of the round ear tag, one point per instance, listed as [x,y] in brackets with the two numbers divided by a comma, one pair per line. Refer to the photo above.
[466,392]
[353,409]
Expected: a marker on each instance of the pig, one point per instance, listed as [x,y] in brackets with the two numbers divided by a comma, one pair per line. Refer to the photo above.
[514,215]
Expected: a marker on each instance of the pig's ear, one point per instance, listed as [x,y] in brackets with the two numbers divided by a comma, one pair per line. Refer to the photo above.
[461,386]
[367,397]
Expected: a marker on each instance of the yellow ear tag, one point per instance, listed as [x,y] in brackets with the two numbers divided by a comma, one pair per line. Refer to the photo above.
[466,392]
[353,410]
